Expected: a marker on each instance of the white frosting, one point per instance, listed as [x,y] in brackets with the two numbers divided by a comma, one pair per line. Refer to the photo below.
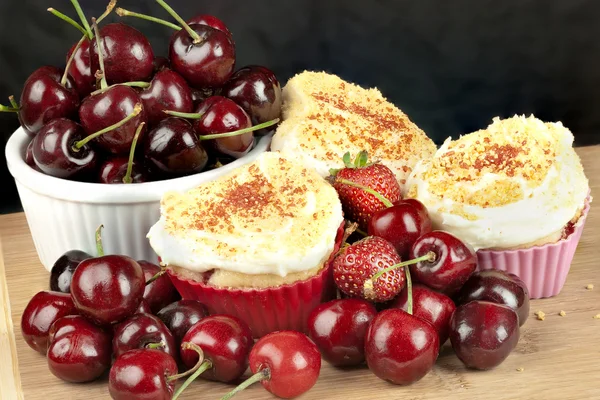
[271,244]
[543,210]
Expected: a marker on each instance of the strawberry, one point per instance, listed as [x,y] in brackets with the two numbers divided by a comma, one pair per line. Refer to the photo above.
[356,264]
[364,188]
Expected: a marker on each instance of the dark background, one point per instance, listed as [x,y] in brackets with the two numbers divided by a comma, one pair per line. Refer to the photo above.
[450,65]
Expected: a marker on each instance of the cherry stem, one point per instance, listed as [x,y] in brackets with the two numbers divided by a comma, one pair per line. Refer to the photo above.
[379,196]
[262,375]
[127,177]
[240,131]
[121,12]
[368,285]
[130,84]
[69,20]
[63,80]
[4,108]
[156,276]
[184,114]
[99,247]
[201,366]
[111,5]
[349,229]
[409,302]
[13,103]
[103,83]
[79,144]
[154,346]
[190,31]
[82,17]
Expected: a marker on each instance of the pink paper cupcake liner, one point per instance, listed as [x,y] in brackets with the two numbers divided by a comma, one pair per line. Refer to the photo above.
[544,268]
[285,307]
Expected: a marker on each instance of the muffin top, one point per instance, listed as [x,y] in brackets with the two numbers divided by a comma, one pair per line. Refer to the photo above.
[515,182]
[325,117]
[272,216]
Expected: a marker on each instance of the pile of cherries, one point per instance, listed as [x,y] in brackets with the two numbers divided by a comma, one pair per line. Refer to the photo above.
[398,328]
[189,112]
[112,312]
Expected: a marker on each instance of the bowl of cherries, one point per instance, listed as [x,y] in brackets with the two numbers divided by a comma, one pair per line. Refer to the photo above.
[102,139]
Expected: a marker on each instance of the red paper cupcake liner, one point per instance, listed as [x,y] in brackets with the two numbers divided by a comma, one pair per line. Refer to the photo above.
[544,269]
[285,307]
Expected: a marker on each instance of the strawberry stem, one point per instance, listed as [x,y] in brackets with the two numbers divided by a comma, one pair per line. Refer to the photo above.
[378,195]
[99,247]
[262,375]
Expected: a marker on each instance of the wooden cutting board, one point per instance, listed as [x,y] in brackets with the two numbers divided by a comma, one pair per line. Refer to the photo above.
[558,358]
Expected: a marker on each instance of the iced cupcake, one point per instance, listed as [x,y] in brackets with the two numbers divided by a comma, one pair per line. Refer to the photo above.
[255,244]
[515,191]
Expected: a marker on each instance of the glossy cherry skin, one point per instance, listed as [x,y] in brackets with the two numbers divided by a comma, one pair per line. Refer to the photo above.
[181,315]
[54,153]
[142,374]
[497,287]
[401,224]
[128,55]
[222,115]
[210,20]
[43,99]
[400,348]
[138,331]
[63,268]
[79,351]
[453,264]
[483,333]
[173,148]
[29,155]
[108,289]
[257,90]
[226,342]
[293,361]
[160,292]
[428,305]
[114,170]
[338,329]
[199,95]
[143,308]
[167,91]
[80,70]
[105,109]
[159,63]
[206,64]
[41,312]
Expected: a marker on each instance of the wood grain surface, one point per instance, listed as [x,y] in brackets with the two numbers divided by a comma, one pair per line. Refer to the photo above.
[558,358]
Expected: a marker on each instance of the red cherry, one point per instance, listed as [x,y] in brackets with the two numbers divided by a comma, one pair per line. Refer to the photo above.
[225,341]
[338,329]
[40,313]
[160,292]
[400,348]
[286,363]
[428,305]
[141,331]
[78,350]
[113,170]
[167,91]
[181,315]
[483,334]
[63,268]
[160,63]
[212,21]
[452,261]
[497,287]
[402,224]
[143,308]
[80,69]
[29,156]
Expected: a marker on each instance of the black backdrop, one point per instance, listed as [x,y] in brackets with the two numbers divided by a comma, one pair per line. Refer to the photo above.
[450,65]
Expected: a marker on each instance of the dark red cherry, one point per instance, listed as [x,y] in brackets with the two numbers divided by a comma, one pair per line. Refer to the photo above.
[173,148]
[141,330]
[143,308]
[181,315]
[63,268]
[78,350]
[44,98]
[212,21]
[160,63]
[160,292]
[208,63]
[257,90]
[54,150]
[167,91]
[338,329]
[40,313]
[80,70]
[29,155]
[221,115]
[199,95]
[114,169]
[128,55]
[105,109]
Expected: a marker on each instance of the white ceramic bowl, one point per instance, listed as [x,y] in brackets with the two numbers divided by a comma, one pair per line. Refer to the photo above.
[63,215]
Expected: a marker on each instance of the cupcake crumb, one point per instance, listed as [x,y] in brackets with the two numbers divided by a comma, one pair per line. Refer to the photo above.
[597,316]
[562,313]
[520,369]
[540,315]
[589,287]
